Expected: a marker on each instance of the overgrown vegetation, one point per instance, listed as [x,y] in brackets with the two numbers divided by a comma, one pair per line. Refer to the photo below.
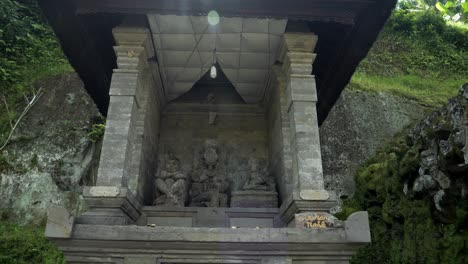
[97,129]
[417,55]
[29,51]
[405,225]
[26,245]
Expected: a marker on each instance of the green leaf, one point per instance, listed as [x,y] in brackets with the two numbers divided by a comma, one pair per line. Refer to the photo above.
[465,7]
[449,4]
[441,8]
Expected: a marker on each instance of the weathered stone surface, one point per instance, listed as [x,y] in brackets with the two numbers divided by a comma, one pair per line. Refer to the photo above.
[236,136]
[102,191]
[314,220]
[218,245]
[438,198]
[210,187]
[59,223]
[314,195]
[357,126]
[442,179]
[210,217]
[424,183]
[171,183]
[50,156]
[258,178]
[442,165]
[254,199]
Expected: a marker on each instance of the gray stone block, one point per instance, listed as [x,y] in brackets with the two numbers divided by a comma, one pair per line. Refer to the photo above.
[254,199]
[357,227]
[170,221]
[140,260]
[59,223]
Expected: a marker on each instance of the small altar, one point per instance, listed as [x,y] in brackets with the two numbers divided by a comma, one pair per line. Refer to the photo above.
[211,152]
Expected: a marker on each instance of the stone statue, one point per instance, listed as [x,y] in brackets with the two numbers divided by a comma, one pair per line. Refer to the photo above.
[258,178]
[171,184]
[258,191]
[209,183]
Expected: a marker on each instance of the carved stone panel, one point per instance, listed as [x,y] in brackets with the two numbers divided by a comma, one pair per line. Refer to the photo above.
[210,187]
[171,183]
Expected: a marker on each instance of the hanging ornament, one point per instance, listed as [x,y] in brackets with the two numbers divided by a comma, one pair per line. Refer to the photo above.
[213,72]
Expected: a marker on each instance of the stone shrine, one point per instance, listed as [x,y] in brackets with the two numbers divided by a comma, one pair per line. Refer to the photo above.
[211,152]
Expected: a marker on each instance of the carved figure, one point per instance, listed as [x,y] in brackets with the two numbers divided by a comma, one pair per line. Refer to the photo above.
[258,178]
[209,186]
[171,184]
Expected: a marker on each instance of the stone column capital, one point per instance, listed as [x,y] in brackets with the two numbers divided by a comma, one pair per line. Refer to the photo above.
[131,36]
[133,47]
[297,53]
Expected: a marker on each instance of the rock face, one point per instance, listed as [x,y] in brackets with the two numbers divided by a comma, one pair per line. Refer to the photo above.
[50,155]
[360,123]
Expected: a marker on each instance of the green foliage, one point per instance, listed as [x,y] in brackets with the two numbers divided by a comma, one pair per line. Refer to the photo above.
[403,226]
[97,129]
[417,55]
[456,10]
[28,51]
[26,245]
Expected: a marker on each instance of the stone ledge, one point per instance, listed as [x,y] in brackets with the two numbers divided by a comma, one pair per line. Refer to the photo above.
[113,244]
[254,199]
[209,217]
[110,205]
[204,245]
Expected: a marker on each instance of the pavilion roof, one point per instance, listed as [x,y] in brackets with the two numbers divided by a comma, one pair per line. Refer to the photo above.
[346,30]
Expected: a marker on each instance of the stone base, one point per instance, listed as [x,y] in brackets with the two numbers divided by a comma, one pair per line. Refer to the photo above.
[108,233]
[130,244]
[109,206]
[254,199]
[295,204]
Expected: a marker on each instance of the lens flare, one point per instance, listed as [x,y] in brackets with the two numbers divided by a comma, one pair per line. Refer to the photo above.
[213,18]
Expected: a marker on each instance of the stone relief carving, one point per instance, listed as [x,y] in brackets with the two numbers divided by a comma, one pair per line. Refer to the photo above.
[258,179]
[171,184]
[258,190]
[209,184]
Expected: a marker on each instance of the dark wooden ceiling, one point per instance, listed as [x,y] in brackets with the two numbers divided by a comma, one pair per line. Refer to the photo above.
[346,30]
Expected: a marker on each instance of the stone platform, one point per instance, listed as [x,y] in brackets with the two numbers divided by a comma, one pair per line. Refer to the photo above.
[210,217]
[132,244]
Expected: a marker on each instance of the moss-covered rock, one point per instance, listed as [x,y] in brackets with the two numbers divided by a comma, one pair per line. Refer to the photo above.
[414,225]
[50,155]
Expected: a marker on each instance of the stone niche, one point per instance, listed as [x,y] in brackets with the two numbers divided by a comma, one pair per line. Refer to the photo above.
[219,142]
[209,176]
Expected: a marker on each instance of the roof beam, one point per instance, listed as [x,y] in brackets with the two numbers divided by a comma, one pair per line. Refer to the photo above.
[359,41]
[325,10]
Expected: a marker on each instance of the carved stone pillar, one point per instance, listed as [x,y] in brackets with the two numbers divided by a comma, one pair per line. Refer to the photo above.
[119,167]
[308,193]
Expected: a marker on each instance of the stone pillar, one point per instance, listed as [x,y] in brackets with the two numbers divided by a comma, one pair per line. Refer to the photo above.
[122,144]
[308,193]
[125,107]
